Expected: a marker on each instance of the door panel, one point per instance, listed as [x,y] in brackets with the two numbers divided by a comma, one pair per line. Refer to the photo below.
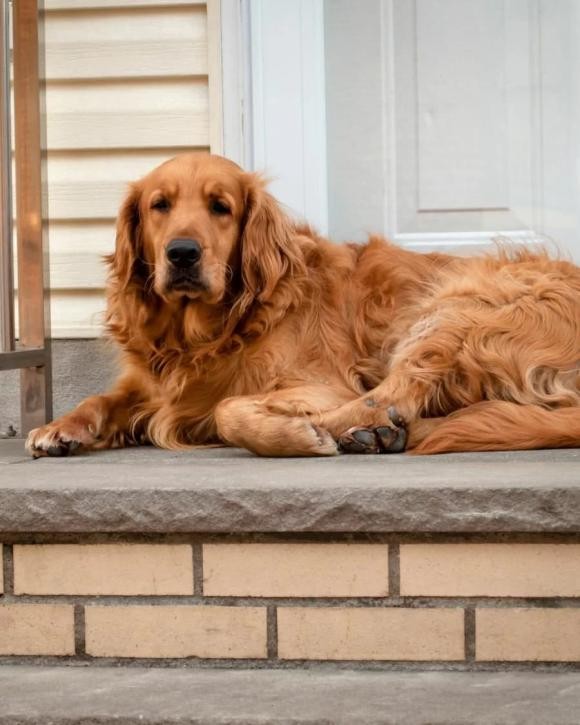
[463,103]
[452,122]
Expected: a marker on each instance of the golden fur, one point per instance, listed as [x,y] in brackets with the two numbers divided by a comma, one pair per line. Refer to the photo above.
[290,343]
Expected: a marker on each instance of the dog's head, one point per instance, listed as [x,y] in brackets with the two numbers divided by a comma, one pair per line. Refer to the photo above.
[198,225]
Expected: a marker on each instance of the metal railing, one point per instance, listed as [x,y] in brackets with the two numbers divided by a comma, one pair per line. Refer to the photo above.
[31,354]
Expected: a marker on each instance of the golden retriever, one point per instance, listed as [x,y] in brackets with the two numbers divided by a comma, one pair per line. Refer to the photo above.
[239,326]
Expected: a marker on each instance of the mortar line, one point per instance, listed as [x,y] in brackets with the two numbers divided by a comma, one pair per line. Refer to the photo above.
[272,632]
[79,628]
[331,537]
[328,665]
[470,634]
[410,602]
[197,551]
[394,567]
[8,568]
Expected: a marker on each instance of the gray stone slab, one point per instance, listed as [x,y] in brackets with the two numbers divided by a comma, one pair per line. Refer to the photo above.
[62,696]
[221,490]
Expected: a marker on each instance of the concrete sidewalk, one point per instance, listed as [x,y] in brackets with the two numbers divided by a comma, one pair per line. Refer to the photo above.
[151,696]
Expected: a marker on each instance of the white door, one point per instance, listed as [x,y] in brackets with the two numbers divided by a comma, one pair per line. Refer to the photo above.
[462,117]
[439,123]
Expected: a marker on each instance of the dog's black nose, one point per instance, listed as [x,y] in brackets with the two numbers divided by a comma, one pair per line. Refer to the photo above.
[183,252]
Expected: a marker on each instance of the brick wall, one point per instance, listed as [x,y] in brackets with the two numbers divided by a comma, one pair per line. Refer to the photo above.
[386,599]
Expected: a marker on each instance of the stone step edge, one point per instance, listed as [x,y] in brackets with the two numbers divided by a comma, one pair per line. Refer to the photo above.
[229,491]
[151,696]
[54,505]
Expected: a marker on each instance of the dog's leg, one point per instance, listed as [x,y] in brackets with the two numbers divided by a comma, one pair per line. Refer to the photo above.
[455,361]
[101,421]
[280,424]
[425,380]
[390,418]
[497,425]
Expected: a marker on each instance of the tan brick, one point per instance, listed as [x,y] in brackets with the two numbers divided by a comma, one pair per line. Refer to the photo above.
[1,569]
[332,633]
[174,631]
[36,629]
[551,635]
[295,570]
[121,569]
[490,570]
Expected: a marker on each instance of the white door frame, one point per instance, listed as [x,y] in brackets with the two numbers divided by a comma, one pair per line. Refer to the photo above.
[230,80]
[273,97]
[273,111]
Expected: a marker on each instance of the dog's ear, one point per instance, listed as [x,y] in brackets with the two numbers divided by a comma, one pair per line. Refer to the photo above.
[268,248]
[126,261]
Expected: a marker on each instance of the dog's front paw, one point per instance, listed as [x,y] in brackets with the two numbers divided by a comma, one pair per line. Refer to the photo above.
[391,438]
[61,437]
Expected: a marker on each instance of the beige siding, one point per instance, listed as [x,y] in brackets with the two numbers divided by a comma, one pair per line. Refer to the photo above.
[154,41]
[127,87]
[112,115]
[85,4]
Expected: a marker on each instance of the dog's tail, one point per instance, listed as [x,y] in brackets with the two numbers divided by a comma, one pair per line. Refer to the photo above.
[503,426]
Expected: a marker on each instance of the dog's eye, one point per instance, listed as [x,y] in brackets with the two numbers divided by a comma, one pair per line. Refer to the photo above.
[218,208]
[160,204]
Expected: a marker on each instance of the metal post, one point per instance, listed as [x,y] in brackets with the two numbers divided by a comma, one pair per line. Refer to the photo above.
[6,264]
[33,287]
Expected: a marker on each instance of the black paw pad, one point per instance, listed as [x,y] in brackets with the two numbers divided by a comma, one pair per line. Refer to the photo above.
[358,440]
[392,440]
[61,449]
[58,451]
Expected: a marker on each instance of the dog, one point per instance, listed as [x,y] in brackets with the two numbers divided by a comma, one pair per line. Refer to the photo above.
[239,326]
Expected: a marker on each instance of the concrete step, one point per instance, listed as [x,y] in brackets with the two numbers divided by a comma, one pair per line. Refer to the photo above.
[127,695]
[225,490]
[220,558]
